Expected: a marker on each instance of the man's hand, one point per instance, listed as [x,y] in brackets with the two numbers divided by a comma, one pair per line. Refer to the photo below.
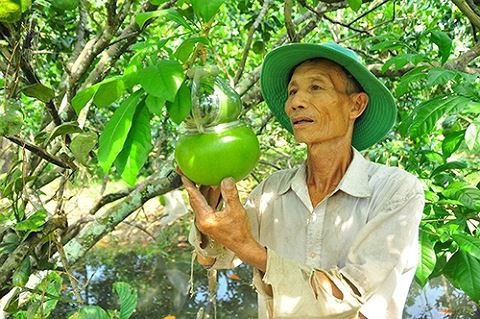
[229,227]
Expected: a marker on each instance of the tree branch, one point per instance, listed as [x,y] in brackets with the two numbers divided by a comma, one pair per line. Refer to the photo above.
[467,11]
[289,25]
[32,78]
[251,32]
[109,198]
[93,48]
[18,255]
[111,12]
[80,39]
[347,26]
[252,78]
[41,153]
[462,61]
[106,222]
[369,11]
[115,50]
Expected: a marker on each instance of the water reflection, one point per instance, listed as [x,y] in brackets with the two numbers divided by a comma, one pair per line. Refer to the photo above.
[438,300]
[161,276]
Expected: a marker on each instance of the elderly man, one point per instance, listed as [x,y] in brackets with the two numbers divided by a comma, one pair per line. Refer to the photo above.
[336,237]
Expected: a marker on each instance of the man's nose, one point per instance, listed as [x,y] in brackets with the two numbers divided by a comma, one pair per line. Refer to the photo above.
[295,103]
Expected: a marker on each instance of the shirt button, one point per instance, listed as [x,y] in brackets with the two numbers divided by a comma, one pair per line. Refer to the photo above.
[313,255]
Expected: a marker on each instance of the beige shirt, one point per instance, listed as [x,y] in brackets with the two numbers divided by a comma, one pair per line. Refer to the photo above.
[366,231]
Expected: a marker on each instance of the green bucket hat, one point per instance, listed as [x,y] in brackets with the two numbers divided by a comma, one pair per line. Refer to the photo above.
[377,119]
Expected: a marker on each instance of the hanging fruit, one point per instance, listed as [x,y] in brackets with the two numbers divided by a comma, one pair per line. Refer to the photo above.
[215,144]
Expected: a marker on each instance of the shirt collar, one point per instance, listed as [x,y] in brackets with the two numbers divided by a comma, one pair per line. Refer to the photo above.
[354,182]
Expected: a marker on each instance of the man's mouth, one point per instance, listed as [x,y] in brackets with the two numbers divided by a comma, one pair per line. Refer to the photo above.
[301,121]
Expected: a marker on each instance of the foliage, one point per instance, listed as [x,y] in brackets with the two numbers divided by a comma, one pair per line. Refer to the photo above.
[128,302]
[93,91]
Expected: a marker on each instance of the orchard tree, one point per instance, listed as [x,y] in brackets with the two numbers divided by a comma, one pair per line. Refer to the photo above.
[98,90]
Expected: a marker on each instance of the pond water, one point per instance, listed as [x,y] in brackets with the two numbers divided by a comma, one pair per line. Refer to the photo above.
[161,274]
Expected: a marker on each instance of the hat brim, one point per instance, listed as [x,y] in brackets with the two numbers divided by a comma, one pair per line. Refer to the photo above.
[375,122]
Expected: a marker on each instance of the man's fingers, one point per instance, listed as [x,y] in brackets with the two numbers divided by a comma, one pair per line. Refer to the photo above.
[229,192]
[197,201]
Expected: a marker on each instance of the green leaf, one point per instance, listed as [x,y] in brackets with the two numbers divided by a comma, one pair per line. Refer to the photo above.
[468,244]
[439,76]
[426,115]
[130,76]
[453,189]
[444,43]
[158,2]
[82,97]
[26,5]
[354,4]
[167,14]
[185,49]
[470,197]
[39,91]
[63,129]
[472,136]
[34,222]
[431,196]
[9,242]
[386,45]
[180,108]
[81,145]
[472,107]
[400,61]
[163,79]
[411,76]
[258,47]
[52,285]
[463,271]
[22,273]
[452,142]
[206,9]
[154,104]
[90,312]
[427,260]
[451,202]
[109,91]
[137,146]
[448,166]
[116,131]
[128,299]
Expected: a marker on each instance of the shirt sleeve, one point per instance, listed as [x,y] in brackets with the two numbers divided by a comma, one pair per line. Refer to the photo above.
[382,251]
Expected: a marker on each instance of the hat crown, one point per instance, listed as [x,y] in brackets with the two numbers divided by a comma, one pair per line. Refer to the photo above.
[342,50]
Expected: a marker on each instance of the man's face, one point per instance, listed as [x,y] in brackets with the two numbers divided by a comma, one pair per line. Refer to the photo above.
[318,106]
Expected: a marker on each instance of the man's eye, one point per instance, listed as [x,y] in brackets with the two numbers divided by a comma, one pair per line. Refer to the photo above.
[292,92]
[316,87]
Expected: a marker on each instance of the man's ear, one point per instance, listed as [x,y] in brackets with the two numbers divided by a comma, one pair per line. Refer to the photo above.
[360,102]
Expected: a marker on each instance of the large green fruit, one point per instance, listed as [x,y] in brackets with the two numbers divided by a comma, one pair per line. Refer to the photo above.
[10,10]
[207,158]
